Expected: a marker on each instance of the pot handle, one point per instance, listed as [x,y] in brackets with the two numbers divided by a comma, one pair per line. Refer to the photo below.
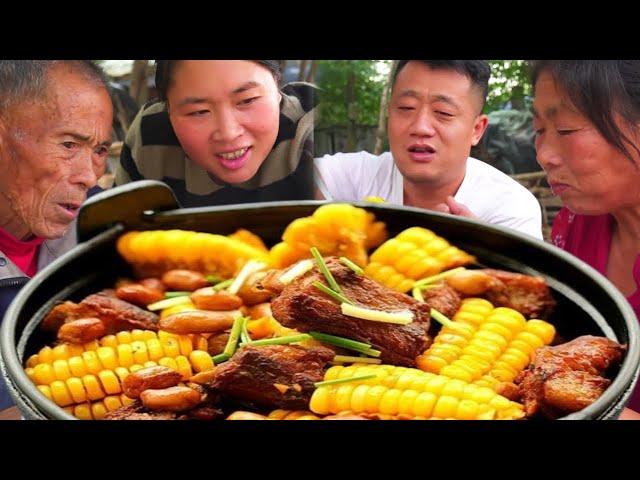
[126,205]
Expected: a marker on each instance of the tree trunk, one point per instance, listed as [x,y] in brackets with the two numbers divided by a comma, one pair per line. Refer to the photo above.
[311,77]
[303,70]
[139,90]
[350,97]
[382,117]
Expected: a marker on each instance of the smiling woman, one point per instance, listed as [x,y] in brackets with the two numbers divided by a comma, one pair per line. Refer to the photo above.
[223,132]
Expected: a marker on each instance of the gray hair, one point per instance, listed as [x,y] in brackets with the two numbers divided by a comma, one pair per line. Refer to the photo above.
[25,80]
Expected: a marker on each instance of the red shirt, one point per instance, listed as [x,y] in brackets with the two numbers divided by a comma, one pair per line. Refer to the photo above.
[588,237]
[24,254]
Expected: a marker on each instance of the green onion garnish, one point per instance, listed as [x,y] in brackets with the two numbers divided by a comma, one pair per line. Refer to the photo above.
[213,279]
[344,380]
[439,276]
[325,271]
[331,293]
[232,343]
[348,359]
[347,343]
[352,265]
[176,294]
[222,285]
[443,320]
[417,294]
[221,357]
[278,340]
[244,333]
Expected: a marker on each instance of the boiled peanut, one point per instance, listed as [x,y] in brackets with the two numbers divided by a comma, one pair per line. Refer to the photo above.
[242,415]
[82,330]
[139,294]
[209,299]
[173,399]
[198,321]
[149,378]
[184,280]
[154,283]
[253,292]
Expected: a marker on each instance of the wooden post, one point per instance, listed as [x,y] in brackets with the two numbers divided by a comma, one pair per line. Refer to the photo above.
[382,116]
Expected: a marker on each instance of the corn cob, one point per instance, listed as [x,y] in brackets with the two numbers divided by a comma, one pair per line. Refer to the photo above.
[245,236]
[413,254]
[335,229]
[66,351]
[92,410]
[519,353]
[161,250]
[98,373]
[448,344]
[412,392]
[494,346]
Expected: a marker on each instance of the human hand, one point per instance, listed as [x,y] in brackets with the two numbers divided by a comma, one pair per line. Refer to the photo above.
[454,208]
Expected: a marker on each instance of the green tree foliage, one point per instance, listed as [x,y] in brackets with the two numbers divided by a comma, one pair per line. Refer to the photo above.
[361,106]
[509,83]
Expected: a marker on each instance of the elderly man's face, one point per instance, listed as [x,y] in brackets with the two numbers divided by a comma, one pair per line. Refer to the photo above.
[52,152]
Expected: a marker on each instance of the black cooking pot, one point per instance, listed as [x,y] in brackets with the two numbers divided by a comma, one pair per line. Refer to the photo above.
[587,303]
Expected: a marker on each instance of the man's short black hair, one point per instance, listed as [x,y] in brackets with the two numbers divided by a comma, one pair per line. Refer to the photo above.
[478,71]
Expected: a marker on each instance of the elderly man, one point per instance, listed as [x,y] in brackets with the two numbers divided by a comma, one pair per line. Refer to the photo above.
[55,132]
[435,117]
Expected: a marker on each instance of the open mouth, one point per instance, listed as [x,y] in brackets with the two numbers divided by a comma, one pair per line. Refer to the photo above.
[235,159]
[422,149]
[70,208]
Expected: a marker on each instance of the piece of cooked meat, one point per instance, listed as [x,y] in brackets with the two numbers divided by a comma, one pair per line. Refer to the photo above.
[136,411]
[117,314]
[568,377]
[272,376]
[527,294]
[305,308]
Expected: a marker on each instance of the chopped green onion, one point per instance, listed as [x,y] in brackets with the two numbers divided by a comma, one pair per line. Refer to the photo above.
[168,302]
[222,285]
[348,359]
[213,279]
[176,294]
[352,265]
[244,334]
[278,340]
[346,343]
[443,320]
[297,270]
[417,294]
[331,293]
[325,271]
[338,341]
[403,317]
[232,342]
[221,357]
[248,269]
[344,380]
[439,276]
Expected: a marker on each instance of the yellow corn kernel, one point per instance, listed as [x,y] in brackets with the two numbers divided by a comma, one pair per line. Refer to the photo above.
[61,352]
[92,387]
[140,354]
[424,404]
[44,374]
[467,410]
[545,331]
[77,366]
[60,394]
[33,360]
[75,350]
[278,414]
[138,335]
[109,341]
[168,362]
[201,360]
[183,367]
[154,347]
[126,400]
[46,391]
[389,402]
[122,373]
[124,337]
[91,346]
[83,411]
[163,335]
[98,410]
[170,347]
[29,372]
[373,398]
[201,343]
[76,389]
[446,407]
[185,345]
[406,401]
[45,355]
[125,355]
[112,403]
[61,369]
[430,363]
[109,381]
